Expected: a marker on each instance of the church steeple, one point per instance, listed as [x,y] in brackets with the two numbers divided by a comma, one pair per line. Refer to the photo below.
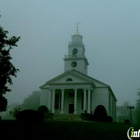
[77,32]
[76,58]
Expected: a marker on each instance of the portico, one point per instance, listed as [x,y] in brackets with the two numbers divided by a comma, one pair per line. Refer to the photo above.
[79,98]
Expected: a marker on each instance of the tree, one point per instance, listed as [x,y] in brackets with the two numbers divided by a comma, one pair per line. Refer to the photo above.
[8,113]
[32,101]
[122,112]
[7,69]
[138,109]
[17,109]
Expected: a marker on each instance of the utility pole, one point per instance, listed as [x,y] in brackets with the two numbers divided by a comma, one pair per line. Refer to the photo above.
[130,107]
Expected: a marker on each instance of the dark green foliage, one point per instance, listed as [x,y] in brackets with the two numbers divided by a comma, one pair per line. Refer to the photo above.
[127,121]
[16,110]
[3,103]
[91,117]
[102,118]
[100,114]
[48,115]
[100,111]
[29,117]
[7,69]
[8,114]
[109,119]
[86,116]
[32,101]
[43,109]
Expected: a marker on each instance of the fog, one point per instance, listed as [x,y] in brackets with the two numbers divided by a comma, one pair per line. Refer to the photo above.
[111,35]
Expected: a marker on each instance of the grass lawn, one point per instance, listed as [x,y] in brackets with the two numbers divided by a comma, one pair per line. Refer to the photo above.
[65,130]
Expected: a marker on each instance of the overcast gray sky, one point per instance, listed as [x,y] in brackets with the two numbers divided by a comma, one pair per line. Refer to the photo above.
[111,35]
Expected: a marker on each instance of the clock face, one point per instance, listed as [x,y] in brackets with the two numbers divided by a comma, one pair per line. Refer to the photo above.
[74,64]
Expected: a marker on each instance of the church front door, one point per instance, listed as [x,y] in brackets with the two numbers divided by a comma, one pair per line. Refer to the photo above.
[71,108]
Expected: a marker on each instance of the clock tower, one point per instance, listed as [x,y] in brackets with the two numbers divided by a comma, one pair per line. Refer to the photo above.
[76,58]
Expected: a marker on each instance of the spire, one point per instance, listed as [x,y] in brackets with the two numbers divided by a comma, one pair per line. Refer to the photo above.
[77,32]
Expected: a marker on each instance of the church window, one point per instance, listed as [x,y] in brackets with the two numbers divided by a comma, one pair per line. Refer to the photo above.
[57,101]
[69,79]
[82,100]
[74,51]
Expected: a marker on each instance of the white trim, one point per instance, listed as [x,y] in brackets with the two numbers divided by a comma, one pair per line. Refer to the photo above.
[53,100]
[84,100]
[62,101]
[75,101]
[88,101]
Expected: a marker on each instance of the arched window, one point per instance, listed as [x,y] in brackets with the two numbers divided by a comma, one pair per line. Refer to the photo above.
[69,79]
[74,51]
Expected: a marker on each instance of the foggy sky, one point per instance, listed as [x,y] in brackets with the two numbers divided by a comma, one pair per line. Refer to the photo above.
[111,35]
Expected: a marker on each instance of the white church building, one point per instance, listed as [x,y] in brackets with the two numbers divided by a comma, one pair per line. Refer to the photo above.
[74,92]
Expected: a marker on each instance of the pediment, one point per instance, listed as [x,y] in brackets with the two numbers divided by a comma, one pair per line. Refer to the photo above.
[74,77]
[68,77]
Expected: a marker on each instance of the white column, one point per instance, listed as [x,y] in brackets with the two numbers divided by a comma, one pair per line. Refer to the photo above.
[49,100]
[53,100]
[62,101]
[75,101]
[84,100]
[89,101]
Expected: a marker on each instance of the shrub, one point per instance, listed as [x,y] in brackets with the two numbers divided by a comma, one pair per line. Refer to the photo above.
[29,117]
[102,118]
[16,110]
[43,109]
[48,115]
[100,111]
[45,112]
[127,121]
[109,119]
[86,116]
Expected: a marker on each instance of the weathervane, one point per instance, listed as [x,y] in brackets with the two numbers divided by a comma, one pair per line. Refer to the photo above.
[77,25]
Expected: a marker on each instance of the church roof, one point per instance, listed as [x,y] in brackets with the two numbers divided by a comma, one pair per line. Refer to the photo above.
[95,81]
[83,77]
[80,75]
